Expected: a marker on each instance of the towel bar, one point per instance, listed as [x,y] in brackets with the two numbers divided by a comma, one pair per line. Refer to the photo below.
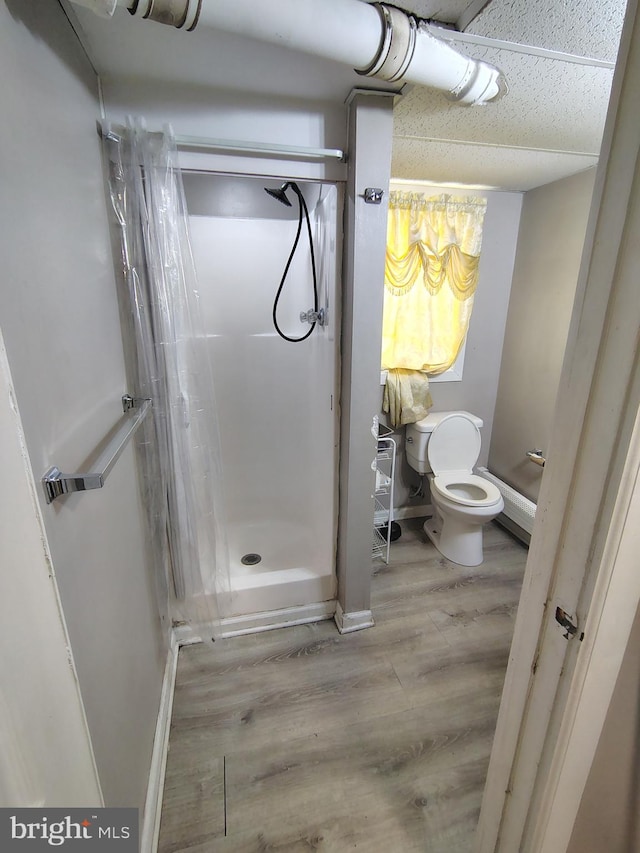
[536,457]
[55,483]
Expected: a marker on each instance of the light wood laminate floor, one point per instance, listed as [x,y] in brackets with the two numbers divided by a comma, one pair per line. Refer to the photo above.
[301,739]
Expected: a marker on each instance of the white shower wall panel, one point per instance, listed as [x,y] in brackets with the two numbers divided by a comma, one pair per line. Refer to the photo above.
[276,400]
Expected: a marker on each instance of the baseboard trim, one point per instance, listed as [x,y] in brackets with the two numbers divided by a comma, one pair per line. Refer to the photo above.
[514,528]
[422,511]
[155,788]
[354,621]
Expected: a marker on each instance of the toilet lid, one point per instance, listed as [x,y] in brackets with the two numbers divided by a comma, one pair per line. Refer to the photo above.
[454,445]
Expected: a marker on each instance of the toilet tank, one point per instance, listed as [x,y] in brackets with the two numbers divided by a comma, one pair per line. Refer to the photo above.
[418,434]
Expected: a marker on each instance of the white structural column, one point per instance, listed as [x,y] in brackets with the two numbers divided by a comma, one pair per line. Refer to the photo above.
[370,135]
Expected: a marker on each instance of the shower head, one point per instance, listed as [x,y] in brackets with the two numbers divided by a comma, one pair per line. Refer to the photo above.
[280,193]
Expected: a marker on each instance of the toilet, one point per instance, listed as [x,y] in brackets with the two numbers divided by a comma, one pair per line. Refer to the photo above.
[446,445]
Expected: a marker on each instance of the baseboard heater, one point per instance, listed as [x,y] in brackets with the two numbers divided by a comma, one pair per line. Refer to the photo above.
[519,512]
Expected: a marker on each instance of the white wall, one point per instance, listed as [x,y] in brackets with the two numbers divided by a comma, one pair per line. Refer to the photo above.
[61,326]
[477,390]
[203,111]
[45,749]
[552,233]
[222,115]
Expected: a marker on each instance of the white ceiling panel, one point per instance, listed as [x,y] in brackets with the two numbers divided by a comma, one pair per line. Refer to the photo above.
[550,105]
[499,168]
[581,27]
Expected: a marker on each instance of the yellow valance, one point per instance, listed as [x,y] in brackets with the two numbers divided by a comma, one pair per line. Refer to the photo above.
[452,265]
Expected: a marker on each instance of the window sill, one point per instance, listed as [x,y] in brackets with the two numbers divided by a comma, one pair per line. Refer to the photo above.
[454,374]
[451,375]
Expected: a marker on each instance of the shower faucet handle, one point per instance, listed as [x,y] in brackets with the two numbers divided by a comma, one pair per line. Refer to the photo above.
[311,316]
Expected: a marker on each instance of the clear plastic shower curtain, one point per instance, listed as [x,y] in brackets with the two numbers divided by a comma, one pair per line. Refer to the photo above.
[168,362]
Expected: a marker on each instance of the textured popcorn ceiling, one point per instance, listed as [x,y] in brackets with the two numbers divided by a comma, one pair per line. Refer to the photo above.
[550,123]
[583,27]
[549,105]
[500,168]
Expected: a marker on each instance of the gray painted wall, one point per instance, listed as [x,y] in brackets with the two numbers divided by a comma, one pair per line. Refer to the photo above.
[60,321]
[552,233]
[477,390]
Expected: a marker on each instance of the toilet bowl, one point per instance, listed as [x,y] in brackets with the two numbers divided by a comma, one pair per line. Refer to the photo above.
[446,446]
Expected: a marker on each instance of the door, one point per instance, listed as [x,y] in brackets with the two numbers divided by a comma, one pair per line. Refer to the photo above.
[584,500]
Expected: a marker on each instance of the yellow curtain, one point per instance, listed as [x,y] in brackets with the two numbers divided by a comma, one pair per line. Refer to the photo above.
[431,273]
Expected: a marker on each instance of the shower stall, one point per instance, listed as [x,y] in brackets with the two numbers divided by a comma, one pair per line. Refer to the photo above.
[277,400]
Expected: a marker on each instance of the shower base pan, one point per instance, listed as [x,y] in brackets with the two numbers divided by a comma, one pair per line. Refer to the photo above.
[254,592]
[266,573]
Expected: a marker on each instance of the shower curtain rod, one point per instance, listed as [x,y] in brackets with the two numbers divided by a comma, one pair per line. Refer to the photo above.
[204,143]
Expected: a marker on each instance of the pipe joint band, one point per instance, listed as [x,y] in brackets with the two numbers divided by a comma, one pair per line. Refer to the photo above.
[474,86]
[397,44]
[465,84]
[173,13]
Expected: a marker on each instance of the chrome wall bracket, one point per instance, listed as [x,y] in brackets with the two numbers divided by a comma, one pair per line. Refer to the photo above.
[129,402]
[56,484]
[373,195]
[311,316]
[537,457]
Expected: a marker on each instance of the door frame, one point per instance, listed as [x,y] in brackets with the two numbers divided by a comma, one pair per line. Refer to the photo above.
[582,517]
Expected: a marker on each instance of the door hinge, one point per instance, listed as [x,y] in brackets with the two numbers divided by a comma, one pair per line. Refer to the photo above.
[564,620]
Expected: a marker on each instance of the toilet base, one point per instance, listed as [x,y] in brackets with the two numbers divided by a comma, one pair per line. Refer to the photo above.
[458,541]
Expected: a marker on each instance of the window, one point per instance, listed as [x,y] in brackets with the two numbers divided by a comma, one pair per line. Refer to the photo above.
[431,273]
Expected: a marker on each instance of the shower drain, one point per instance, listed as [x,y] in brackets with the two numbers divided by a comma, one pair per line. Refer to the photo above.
[250,559]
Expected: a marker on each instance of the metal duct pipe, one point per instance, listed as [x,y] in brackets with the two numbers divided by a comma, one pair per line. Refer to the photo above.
[378,40]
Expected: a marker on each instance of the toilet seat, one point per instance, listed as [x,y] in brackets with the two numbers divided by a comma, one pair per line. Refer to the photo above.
[444,484]
[453,450]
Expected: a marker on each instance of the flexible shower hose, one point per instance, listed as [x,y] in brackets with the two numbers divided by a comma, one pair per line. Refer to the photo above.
[302,206]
